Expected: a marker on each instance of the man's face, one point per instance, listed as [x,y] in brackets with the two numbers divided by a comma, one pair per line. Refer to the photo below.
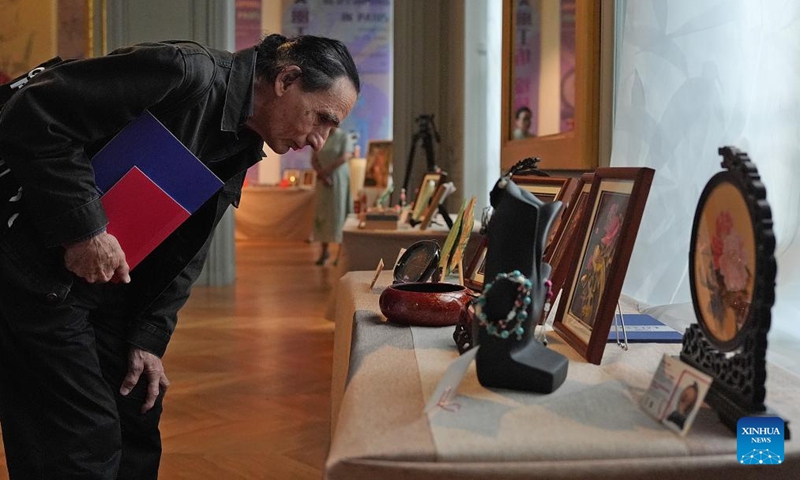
[524,121]
[686,400]
[286,117]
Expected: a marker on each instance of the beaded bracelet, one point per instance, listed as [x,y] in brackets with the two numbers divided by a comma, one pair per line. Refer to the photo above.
[518,313]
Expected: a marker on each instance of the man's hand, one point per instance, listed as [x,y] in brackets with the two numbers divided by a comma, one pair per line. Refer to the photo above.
[97,260]
[143,362]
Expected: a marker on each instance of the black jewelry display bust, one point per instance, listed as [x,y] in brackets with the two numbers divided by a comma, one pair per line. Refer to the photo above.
[516,239]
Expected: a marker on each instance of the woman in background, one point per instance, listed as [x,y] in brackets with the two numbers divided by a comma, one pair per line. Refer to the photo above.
[333,190]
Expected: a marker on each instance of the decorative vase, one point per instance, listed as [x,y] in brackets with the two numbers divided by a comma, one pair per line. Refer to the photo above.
[516,235]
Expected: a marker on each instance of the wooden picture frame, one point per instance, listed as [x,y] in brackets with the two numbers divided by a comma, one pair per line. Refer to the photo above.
[428,187]
[474,275]
[560,251]
[467,224]
[433,207]
[589,300]
[309,178]
[546,189]
[379,163]
[576,149]
[550,189]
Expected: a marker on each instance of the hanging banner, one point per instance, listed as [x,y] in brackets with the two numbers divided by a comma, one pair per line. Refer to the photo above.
[527,54]
[568,34]
[248,23]
[365,26]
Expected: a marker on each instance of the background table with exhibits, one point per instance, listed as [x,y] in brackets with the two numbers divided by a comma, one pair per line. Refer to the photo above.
[362,249]
[275,213]
[589,428]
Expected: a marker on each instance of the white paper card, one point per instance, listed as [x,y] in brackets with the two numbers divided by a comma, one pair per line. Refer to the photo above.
[675,394]
[540,331]
[447,389]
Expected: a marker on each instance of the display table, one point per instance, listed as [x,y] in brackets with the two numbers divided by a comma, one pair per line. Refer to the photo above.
[275,213]
[591,427]
[362,249]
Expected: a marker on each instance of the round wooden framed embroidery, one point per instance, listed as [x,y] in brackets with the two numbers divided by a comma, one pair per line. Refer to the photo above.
[723,265]
[732,279]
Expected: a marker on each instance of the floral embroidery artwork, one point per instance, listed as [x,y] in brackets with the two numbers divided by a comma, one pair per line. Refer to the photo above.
[598,257]
[727,276]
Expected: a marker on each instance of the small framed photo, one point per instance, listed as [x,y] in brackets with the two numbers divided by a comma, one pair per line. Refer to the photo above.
[292,176]
[467,214]
[425,193]
[592,287]
[433,207]
[379,163]
[475,272]
[309,177]
[676,393]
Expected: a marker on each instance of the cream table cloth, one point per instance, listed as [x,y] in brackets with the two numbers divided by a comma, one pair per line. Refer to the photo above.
[275,213]
[591,427]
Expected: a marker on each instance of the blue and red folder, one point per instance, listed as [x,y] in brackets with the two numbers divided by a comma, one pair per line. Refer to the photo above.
[150,184]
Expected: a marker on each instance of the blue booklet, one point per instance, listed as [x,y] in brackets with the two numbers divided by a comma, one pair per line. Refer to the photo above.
[147,144]
[642,328]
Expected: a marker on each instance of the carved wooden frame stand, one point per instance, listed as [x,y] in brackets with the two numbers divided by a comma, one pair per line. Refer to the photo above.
[737,360]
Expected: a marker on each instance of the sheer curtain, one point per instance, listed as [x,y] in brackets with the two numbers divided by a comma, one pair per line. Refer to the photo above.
[691,76]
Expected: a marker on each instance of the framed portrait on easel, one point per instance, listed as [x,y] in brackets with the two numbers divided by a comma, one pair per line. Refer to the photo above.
[309,177]
[379,163]
[425,195]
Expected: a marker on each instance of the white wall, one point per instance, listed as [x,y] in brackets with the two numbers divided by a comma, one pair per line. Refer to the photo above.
[269,169]
[482,64]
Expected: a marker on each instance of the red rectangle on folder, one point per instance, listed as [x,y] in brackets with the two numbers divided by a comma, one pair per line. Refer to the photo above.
[140,215]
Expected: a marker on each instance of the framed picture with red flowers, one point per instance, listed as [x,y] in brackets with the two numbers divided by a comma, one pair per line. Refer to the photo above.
[591,290]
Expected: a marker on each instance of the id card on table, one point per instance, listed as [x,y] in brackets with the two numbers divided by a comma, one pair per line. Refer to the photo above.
[675,394]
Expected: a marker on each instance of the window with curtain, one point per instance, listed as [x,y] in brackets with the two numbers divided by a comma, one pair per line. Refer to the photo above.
[692,76]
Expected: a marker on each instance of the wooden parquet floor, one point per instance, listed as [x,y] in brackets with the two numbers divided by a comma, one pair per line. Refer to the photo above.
[250,372]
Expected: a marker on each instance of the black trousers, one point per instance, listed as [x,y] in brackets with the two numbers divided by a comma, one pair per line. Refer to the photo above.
[62,360]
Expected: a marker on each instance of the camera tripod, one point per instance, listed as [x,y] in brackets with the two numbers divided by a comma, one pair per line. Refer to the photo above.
[426,134]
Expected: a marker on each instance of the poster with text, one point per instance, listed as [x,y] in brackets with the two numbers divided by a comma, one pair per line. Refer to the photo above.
[365,26]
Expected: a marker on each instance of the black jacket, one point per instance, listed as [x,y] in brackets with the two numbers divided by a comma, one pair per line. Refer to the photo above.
[51,128]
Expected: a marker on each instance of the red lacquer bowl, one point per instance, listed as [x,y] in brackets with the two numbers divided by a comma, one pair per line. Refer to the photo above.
[424,304]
